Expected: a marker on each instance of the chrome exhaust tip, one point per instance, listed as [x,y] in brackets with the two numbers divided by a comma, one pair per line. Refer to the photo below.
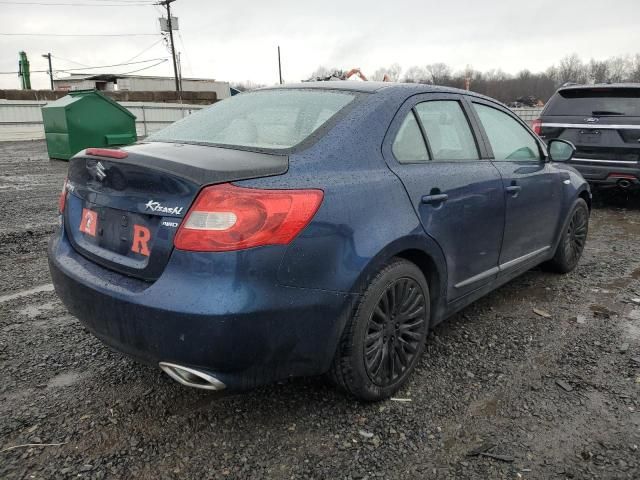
[624,183]
[191,377]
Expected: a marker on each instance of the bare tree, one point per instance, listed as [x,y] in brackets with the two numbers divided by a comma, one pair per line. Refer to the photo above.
[634,69]
[439,73]
[322,72]
[571,69]
[598,71]
[523,87]
[618,69]
[416,75]
[392,73]
[246,85]
[496,75]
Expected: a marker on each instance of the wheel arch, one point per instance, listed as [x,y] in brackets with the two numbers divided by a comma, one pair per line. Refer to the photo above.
[426,255]
[586,196]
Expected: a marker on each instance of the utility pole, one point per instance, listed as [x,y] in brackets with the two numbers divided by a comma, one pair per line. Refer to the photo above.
[50,72]
[279,65]
[167,4]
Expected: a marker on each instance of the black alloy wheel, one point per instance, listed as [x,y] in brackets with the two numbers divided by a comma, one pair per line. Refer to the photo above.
[386,334]
[394,331]
[576,235]
[572,241]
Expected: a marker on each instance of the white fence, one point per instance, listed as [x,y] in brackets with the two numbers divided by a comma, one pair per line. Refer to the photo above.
[22,120]
[528,114]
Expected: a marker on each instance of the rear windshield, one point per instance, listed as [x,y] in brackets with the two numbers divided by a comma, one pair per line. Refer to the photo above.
[596,102]
[267,119]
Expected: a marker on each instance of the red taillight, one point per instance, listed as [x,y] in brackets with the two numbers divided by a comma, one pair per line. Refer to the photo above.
[226,217]
[107,152]
[537,126]
[62,200]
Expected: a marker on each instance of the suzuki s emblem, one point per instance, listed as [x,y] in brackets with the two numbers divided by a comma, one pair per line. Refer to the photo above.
[592,120]
[101,172]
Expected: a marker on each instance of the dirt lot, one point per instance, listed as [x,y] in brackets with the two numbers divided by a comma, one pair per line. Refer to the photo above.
[538,396]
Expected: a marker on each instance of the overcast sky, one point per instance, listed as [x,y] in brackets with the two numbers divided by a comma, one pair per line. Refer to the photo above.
[237,41]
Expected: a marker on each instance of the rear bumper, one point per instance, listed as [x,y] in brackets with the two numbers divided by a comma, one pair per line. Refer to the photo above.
[604,174]
[233,321]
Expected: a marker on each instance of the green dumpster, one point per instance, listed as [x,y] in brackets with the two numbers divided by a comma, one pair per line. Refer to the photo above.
[86,118]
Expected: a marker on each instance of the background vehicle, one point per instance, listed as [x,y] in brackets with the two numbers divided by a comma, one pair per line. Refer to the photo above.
[312,228]
[603,121]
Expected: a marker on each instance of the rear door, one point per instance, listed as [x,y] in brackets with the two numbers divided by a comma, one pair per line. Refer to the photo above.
[457,194]
[532,188]
[602,122]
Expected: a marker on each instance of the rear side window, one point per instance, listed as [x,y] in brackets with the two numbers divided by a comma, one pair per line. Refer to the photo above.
[509,140]
[595,102]
[268,119]
[409,146]
[448,131]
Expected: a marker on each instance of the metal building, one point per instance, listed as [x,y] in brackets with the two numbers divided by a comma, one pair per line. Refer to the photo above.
[116,82]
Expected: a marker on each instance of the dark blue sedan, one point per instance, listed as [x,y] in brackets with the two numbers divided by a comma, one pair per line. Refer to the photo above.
[310,229]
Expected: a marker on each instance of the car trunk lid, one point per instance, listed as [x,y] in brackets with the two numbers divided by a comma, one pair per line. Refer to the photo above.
[123,213]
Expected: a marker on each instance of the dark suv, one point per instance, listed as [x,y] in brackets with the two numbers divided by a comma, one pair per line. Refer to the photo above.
[603,122]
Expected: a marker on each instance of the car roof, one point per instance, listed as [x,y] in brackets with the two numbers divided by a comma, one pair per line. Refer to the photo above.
[597,86]
[375,87]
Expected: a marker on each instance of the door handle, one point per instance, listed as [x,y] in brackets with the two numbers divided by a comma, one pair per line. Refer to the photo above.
[437,198]
[513,189]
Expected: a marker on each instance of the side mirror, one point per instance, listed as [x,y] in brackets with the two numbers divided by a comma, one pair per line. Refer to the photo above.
[561,150]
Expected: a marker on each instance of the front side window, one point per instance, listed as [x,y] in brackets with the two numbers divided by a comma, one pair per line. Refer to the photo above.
[509,140]
[266,119]
[409,146]
[448,131]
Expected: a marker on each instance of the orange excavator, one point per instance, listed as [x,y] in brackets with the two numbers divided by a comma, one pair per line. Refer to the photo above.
[342,75]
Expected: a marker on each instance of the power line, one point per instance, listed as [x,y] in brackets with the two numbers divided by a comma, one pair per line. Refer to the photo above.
[93,68]
[78,34]
[144,68]
[119,64]
[140,4]
[184,48]
[146,49]
[125,2]
[70,61]
[30,71]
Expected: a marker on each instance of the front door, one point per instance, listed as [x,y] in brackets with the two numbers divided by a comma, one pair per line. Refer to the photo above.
[457,195]
[532,189]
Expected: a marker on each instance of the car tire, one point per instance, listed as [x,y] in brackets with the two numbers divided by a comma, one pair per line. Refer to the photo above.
[385,337]
[573,239]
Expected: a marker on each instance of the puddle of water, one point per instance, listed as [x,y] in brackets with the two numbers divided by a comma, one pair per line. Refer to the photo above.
[488,408]
[54,322]
[633,331]
[617,284]
[634,314]
[25,293]
[33,311]
[64,380]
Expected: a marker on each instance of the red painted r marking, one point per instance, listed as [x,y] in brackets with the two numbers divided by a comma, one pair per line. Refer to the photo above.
[141,237]
[89,222]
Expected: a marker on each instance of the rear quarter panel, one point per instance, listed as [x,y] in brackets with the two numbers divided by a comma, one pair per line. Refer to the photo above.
[366,216]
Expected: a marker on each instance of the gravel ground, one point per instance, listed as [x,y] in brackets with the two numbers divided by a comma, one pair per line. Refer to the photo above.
[502,391]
